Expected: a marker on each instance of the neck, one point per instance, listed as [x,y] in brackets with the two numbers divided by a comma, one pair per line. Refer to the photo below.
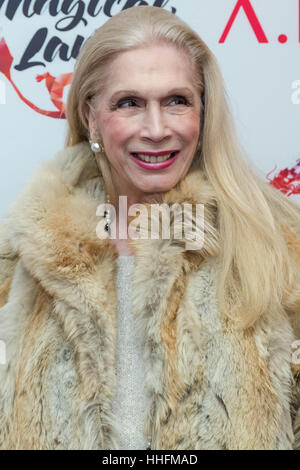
[132,196]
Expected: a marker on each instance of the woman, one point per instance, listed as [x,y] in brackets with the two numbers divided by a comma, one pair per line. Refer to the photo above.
[212,328]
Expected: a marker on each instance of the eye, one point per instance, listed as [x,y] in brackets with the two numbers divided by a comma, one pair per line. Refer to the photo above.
[124,102]
[180,98]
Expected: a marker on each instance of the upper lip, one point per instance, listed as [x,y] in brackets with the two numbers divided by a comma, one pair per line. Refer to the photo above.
[157,154]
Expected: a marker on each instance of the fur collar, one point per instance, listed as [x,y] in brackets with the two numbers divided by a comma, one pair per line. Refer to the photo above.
[52,224]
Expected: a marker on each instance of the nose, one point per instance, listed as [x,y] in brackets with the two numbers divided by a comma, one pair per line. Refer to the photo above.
[154,125]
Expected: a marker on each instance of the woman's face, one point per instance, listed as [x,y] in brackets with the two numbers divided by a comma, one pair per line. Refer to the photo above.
[150,105]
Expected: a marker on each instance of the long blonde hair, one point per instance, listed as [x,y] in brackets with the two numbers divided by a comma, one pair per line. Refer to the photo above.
[256,270]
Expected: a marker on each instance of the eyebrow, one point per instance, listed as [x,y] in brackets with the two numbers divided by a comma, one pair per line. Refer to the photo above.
[183,90]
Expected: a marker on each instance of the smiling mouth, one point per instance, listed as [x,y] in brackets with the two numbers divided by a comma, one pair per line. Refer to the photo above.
[152,159]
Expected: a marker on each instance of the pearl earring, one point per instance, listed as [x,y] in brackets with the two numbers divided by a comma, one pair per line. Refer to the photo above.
[95,146]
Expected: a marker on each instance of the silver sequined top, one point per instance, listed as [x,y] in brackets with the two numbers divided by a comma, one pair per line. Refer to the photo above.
[130,402]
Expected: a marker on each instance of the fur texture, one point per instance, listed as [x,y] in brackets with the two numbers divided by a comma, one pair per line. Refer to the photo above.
[211,386]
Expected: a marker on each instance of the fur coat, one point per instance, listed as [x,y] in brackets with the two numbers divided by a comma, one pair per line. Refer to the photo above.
[210,386]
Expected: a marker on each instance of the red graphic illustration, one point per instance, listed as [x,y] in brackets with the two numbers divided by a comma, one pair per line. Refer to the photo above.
[54,85]
[287,180]
[252,18]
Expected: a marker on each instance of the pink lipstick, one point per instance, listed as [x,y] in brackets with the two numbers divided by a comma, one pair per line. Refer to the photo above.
[157,165]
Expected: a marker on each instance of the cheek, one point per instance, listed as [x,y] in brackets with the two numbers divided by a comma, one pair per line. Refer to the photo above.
[190,134]
[190,127]
[115,130]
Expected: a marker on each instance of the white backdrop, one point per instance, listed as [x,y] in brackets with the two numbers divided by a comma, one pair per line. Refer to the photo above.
[262,78]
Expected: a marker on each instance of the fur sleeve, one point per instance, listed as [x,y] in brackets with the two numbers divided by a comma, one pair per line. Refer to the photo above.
[8,261]
[292,306]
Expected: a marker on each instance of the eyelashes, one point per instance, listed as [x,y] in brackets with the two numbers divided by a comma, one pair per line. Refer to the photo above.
[127,100]
[134,101]
[186,101]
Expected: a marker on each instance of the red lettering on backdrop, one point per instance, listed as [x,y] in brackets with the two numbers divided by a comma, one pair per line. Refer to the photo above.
[253,20]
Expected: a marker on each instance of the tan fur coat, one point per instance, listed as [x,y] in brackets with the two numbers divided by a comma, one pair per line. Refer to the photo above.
[210,386]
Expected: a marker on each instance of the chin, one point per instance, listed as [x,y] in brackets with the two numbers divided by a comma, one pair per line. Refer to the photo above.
[159,187]
[156,189]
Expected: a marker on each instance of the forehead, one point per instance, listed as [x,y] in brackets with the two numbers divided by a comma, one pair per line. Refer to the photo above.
[151,70]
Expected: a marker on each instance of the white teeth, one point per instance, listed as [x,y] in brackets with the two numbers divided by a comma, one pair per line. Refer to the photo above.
[151,159]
